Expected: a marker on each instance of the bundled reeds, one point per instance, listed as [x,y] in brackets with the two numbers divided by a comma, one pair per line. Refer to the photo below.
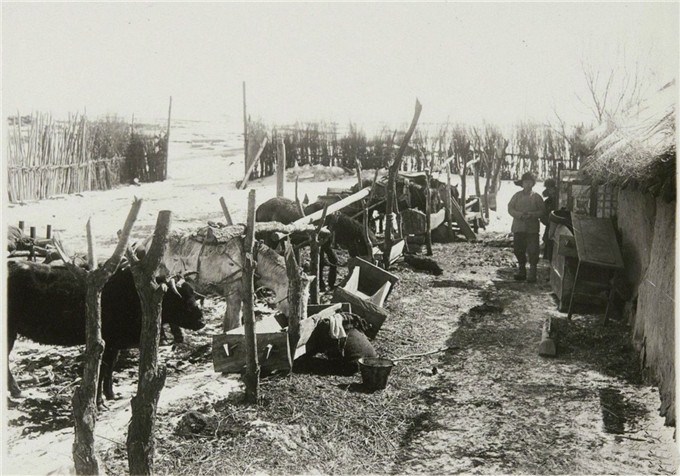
[528,147]
[46,157]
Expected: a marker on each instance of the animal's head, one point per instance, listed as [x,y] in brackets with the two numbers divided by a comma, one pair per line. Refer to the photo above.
[182,305]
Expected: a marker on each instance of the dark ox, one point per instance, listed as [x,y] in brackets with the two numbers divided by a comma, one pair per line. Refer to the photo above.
[46,304]
[347,232]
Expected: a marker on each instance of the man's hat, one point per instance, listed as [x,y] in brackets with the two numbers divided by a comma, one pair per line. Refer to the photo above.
[550,183]
[525,176]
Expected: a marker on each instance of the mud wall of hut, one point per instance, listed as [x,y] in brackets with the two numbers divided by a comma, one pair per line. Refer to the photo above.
[647,227]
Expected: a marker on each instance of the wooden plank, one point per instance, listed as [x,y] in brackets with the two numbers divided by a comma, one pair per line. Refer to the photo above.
[244,182]
[397,250]
[375,316]
[280,166]
[251,376]
[436,219]
[458,216]
[339,205]
[371,277]
[273,352]
[596,241]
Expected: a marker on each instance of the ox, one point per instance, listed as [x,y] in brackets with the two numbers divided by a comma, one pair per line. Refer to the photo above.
[46,304]
[215,256]
[347,232]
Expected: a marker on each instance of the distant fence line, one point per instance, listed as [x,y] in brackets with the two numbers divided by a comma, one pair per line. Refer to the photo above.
[47,157]
[530,148]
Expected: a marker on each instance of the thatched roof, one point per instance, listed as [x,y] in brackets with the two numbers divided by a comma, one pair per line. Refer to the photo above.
[639,150]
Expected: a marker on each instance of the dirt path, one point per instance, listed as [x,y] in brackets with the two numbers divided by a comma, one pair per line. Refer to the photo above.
[498,407]
[491,405]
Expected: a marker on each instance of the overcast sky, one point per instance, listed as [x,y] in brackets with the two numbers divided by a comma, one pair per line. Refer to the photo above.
[502,62]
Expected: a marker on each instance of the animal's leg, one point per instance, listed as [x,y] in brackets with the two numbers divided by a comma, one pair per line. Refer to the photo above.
[177,333]
[109,360]
[332,266]
[12,384]
[232,316]
[322,264]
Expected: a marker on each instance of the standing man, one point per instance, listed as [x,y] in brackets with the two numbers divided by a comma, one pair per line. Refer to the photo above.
[526,208]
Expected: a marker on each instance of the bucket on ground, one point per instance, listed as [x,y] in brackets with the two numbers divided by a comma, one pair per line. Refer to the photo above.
[374,371]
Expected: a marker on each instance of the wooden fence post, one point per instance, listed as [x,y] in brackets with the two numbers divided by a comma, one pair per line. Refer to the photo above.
[298,294]
[428,213]
[225,211]
[280,166]
[167,145]
[449,204]
[140,438]
[392,185]
[252,375]
[85,395]
[245,132]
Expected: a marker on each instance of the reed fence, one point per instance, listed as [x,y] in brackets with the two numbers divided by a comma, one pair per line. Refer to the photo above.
[46,157]
[525,148]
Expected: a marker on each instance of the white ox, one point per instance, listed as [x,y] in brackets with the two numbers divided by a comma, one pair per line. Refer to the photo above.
[216,255]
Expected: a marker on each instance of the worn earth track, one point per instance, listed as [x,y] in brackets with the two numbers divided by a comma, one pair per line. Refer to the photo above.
[497,407]
[487,405]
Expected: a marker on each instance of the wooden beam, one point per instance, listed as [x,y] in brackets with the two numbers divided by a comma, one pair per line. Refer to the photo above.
[375,316]
[280,166]
[167,146]
[339,205]
[225,211]
[246,178]
[252,374]
[246,164]
[449,202]
[391,185]
[462,223]
[428,214]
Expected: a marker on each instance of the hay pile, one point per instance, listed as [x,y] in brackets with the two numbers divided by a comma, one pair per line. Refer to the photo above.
[640,149]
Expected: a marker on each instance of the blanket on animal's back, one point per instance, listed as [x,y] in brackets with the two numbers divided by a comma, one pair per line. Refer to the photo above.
[213,253]
[216,255]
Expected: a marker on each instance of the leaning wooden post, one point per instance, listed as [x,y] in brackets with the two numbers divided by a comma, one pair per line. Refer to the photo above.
[225,211]
[449,202]
[167,144]
[280,166]
[428,214]
[315,258]
[85,396]
[392,186]
[297,297]
[140,438]
[245,132]
[364,207]
[252,376]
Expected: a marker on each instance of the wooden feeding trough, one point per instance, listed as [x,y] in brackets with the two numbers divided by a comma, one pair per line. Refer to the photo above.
[366,288]
[273,349]
[395,252]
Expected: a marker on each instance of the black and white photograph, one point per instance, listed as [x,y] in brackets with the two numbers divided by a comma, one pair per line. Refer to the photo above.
[330,238]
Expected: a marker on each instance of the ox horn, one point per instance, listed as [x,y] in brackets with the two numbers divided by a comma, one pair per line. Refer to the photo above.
[172,285]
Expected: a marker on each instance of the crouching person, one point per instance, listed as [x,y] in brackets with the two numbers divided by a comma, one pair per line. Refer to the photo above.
[526,208]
